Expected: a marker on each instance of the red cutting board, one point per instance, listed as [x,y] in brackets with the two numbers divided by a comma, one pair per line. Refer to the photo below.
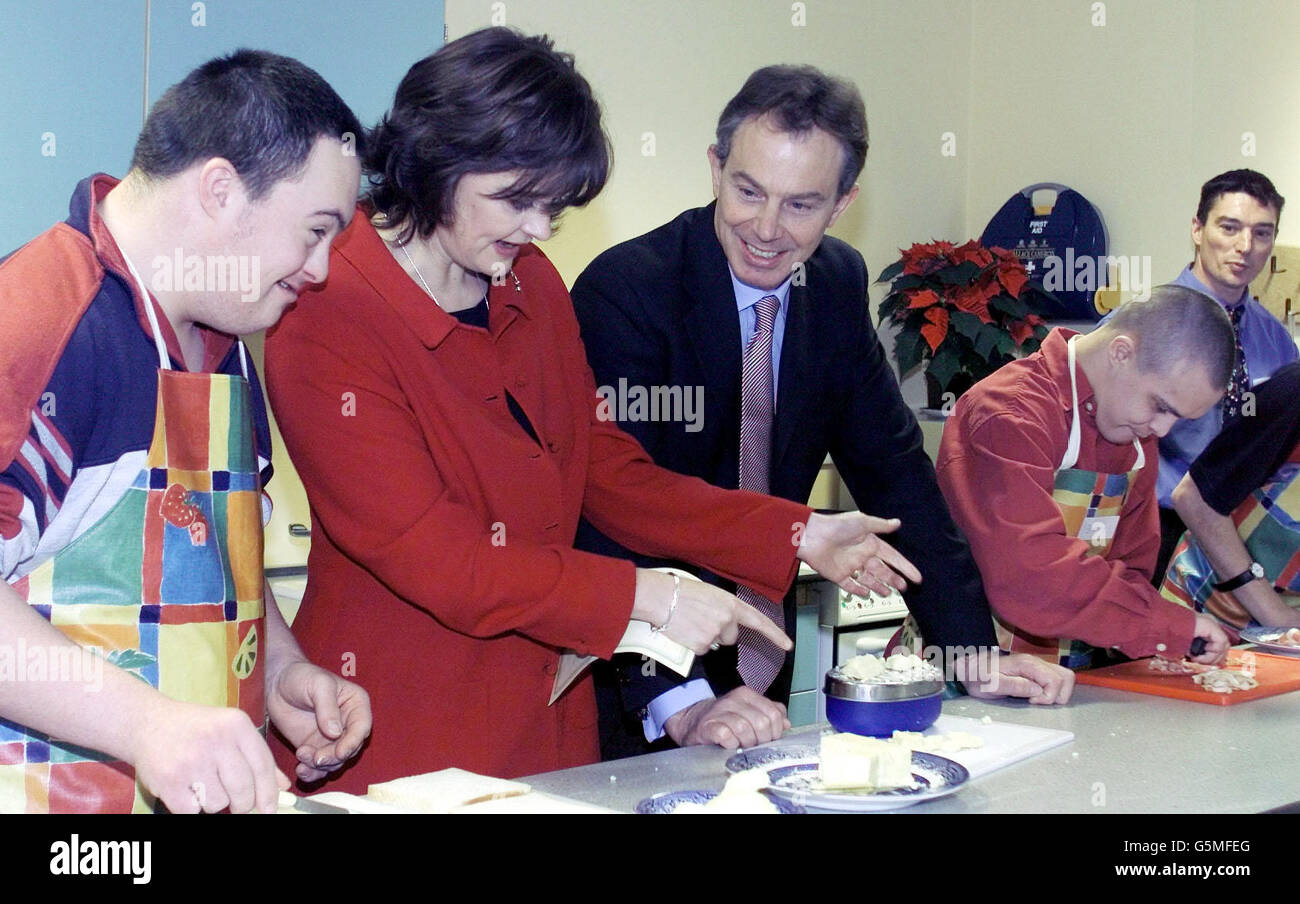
[1275,674]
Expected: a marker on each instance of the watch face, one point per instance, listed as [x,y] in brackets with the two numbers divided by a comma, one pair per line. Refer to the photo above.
[1257,569]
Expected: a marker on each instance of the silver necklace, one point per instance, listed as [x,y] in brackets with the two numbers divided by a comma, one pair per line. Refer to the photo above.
[420,276]
[410,260]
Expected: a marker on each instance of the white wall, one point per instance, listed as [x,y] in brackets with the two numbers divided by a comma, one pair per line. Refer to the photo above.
[1135,113]
[668,67]
[1134,103]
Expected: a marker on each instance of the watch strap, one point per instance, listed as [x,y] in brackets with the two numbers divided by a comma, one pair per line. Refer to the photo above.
[1254,572]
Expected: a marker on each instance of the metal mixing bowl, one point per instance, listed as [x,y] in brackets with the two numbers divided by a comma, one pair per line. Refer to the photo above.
[878,710]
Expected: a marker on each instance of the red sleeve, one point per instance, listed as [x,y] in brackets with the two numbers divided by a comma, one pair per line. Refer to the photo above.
[11,509]
[998,479]
[45,288]
[376,492]
[745,537]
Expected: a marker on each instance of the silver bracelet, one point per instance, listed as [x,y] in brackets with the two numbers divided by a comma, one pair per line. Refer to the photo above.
[672,607]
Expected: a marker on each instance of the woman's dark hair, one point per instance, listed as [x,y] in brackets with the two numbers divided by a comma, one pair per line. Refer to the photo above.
[801,98]
[261,111]
[493,101]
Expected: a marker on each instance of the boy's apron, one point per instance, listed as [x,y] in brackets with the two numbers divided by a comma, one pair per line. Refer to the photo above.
[1091,503]
[1268,522]
[166,585]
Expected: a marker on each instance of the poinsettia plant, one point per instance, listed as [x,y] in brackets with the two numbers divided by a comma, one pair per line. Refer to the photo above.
[966,309]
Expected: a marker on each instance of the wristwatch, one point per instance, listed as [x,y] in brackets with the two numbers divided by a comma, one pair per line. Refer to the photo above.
[1254,572]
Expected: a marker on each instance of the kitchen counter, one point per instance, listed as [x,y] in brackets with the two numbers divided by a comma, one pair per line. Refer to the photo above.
[1132,753]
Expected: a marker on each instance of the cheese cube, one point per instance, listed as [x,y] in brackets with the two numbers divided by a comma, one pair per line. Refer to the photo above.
[854,761]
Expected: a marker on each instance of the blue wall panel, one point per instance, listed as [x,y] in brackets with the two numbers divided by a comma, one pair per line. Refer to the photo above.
[362,48]
[76,68]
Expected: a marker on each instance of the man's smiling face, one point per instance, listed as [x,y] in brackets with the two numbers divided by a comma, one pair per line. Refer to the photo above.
[777,195]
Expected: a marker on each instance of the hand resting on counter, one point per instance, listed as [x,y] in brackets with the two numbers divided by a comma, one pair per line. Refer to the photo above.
[739,718]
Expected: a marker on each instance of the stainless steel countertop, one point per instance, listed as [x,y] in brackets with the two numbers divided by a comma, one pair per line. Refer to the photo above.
[1132,753]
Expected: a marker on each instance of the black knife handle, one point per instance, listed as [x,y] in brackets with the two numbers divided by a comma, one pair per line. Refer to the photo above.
[1198,647]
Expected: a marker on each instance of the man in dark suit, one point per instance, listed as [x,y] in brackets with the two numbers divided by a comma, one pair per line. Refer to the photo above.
[683,308]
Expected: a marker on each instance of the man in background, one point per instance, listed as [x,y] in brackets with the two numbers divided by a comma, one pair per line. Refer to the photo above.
[1233,233]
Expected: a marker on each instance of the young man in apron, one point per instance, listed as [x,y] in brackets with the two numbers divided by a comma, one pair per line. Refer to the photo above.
[141,650]
[1049,468]
[1240,559]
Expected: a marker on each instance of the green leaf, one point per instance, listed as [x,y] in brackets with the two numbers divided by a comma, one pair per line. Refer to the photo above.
[966,324]
[890,305]
[944,366]
[908,346]
[130,660]
[987,340]
[960,275]
[1006,345]
[890,272]
[1008,305]
[907,281]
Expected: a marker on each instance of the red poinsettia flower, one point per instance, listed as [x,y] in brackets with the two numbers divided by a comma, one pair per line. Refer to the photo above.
[974,299]
[923,259]
[922,298]
[1003,255]
[974,252]
[936,330]
[940,280]
[1012,276]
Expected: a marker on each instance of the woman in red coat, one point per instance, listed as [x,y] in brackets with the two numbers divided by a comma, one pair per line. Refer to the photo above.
[436,400]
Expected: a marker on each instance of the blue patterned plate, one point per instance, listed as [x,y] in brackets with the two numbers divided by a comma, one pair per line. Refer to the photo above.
[935,776]
[667,801]
[1267,639]
[770,756]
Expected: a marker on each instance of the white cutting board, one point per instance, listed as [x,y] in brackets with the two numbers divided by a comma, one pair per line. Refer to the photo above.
[1004,742]
[532,802]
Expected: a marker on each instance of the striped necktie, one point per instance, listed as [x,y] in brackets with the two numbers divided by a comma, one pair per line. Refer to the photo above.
[757,658]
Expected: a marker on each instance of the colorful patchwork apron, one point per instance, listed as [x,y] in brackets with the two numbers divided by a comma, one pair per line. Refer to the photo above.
[167,585]
[1091,503]
[1268,523]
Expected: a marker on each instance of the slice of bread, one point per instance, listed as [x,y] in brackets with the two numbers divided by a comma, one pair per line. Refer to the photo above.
[444,791]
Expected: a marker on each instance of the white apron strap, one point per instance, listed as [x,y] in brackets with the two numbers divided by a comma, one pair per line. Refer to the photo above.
[164,360]
[1071,456]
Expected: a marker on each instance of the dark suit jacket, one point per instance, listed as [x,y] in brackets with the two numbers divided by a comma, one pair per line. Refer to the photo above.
[660,310]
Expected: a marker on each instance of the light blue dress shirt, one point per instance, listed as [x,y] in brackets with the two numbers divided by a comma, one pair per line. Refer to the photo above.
[1267,345]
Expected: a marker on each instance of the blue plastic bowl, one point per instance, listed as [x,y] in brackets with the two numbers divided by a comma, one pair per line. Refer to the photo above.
[879,710]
